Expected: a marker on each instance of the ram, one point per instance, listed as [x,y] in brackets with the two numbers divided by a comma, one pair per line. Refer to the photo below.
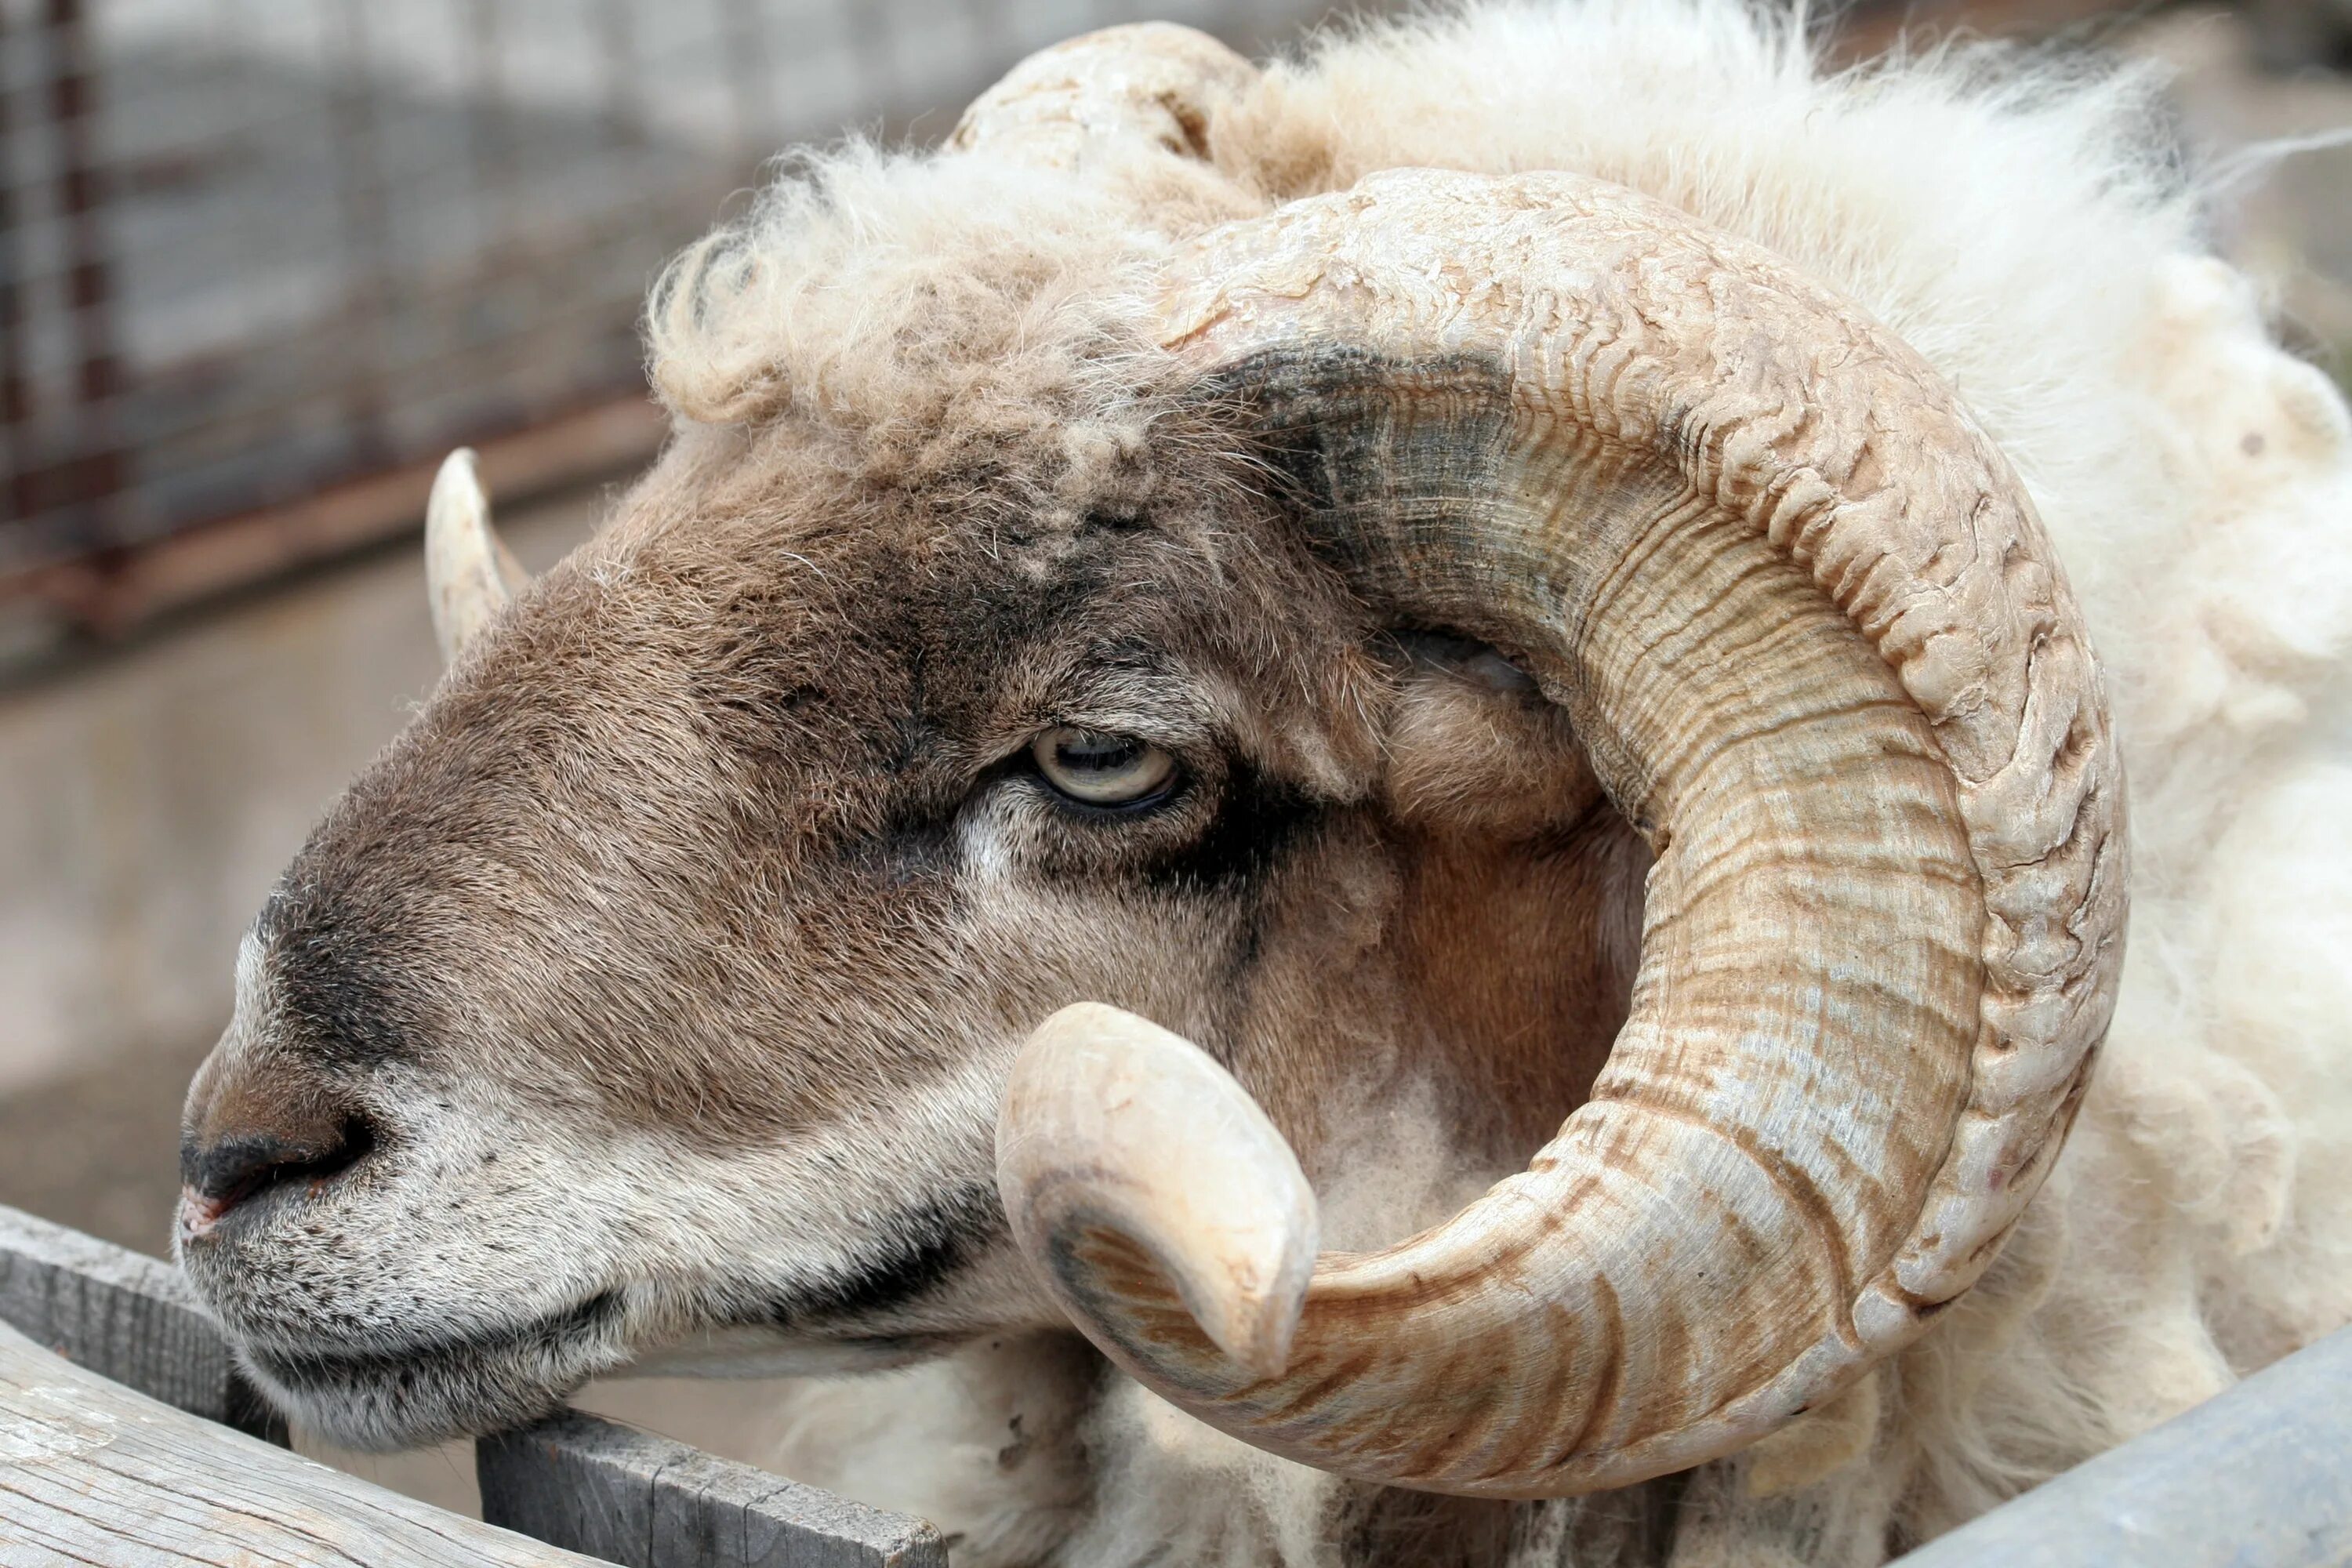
[1507,580]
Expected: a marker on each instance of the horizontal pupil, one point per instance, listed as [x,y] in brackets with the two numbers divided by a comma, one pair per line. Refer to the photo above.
[1097,753]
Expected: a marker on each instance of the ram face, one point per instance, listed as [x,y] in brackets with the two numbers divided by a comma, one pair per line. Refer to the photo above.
[1485,644]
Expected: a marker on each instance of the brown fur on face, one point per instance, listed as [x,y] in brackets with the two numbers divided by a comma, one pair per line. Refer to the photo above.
[670,960]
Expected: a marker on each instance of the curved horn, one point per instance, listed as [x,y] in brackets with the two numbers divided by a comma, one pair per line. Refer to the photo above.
[469,575]
[1234,1231]
[1149,80]
[1810,632]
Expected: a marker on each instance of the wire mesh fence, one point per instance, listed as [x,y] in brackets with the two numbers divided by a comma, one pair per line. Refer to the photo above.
[261,261]
[253,249]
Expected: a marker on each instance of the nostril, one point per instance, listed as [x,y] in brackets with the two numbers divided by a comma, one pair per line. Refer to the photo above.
[219,1176]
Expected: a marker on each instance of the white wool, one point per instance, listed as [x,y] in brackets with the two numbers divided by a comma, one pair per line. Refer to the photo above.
[2018,225]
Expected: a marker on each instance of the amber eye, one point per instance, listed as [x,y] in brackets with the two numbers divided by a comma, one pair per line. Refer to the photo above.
[1102,769]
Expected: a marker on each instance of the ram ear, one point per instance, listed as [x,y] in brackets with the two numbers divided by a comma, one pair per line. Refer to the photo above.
[469,575]
[1475,750]
[1518,924]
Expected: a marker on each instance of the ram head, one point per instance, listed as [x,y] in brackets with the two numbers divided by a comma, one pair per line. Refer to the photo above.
[1488,653]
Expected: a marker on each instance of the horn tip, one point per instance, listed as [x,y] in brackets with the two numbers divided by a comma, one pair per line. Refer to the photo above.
[1111,1122]
[460,470]
[457,498]
[469,575]
[1256,1335]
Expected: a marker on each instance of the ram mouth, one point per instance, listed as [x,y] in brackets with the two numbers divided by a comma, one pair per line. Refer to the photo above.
[459,1385]
[754,1349]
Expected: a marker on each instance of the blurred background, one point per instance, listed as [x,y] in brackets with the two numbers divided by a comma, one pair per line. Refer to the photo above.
[263,261]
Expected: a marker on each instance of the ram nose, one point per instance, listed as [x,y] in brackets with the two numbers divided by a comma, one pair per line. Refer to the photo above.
[260,1129]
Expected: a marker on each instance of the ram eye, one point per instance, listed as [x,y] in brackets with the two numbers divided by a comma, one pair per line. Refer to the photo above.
[1098,769]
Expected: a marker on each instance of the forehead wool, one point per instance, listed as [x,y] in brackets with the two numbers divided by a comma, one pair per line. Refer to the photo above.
[888,290]
[1939,192]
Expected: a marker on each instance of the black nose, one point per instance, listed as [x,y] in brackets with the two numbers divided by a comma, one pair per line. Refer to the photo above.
[228,1173]
[225,1161]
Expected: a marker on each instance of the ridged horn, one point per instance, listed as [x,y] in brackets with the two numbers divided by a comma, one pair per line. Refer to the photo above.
[469,575]
[1149,80]
[1811,633]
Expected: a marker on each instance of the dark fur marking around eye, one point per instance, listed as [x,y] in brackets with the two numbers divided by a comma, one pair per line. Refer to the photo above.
[1258,822]
[919,1247]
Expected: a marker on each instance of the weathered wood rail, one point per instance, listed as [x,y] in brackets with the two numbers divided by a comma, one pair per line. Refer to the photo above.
[2258,1477]
[93,1472]
[126,1437]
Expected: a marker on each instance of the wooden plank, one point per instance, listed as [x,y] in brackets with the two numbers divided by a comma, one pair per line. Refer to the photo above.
[644,1501]
[575,1481]
[93,1473]
[126,1317]
[2258,1477]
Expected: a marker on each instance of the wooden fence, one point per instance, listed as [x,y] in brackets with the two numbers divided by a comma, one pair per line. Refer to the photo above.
[126,1437]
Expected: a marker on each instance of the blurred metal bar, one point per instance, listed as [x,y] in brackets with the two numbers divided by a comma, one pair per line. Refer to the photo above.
[750,77]
[618,45]
[15,389]
[487,119]
[84,488]
[367,238]
[869,43]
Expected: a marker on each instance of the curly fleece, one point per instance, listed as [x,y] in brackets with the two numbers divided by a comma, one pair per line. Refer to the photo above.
[2024,223]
